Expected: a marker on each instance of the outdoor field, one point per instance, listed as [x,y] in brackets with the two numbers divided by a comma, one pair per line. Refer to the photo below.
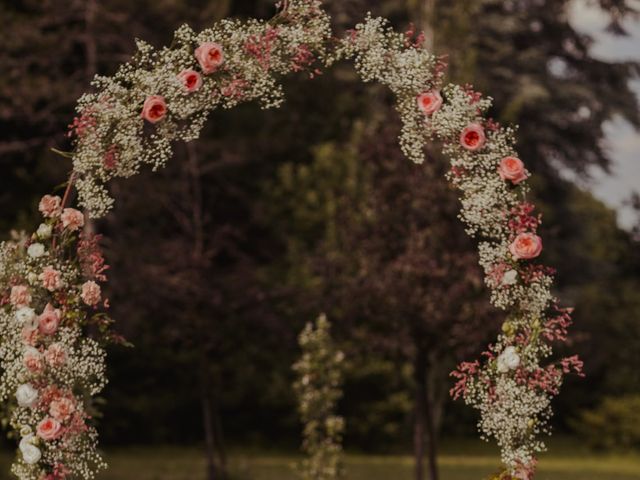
[567,461]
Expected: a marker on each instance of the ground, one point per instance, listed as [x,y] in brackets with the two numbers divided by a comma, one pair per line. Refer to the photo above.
[568,460]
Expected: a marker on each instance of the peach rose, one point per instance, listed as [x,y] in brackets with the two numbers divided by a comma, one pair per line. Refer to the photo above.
[190,79]
[154,108]
[62,409]
[32,359]
[429,102]
[472,137]
[72,219]
[56,355]
[526,246]
[91,293]
[50,206]
[210,56]
[20,296]
[49,320]
[51,279]
[49,429]
[512,169]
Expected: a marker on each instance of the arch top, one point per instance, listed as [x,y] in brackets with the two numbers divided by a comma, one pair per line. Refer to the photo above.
[50,282]
[130,119]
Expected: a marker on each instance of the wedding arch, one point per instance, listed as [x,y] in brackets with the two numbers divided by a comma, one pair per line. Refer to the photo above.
[50,282]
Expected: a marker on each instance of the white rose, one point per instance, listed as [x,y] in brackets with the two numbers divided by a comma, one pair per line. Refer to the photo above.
[44,231]
[30,453]
[510,277]
[35,250]
[25,315]
[26,395]
[508,360]
[27,439]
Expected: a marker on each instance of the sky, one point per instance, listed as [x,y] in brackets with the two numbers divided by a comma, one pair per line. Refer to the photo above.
[622,139]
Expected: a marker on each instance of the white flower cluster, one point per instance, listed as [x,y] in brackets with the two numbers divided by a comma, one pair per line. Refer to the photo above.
[514,412]
[113,139]
[49,365]
[382,55]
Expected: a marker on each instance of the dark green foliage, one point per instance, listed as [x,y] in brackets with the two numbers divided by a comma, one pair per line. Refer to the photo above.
[614,424]
[275,216]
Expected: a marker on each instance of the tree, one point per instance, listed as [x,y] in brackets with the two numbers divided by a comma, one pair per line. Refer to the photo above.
[390,261]
[528,56]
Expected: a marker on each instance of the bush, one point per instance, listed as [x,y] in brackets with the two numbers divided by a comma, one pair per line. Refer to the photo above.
[615,423]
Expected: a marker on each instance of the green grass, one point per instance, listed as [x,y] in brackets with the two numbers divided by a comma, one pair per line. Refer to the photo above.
[566,461]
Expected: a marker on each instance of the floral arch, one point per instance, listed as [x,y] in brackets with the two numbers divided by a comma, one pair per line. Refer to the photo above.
[50,282]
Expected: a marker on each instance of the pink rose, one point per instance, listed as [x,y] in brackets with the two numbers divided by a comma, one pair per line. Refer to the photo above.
[29,335]
[20,296]
[210,56]
[50,206]
[190,79]
[429,102]
[51,279]
[49,429]
[512,168]
[62,409]
[32,359]
[154,108]
[91,293]
[526,246]
[56,355]
[49,320]
[472,137]
[72,219]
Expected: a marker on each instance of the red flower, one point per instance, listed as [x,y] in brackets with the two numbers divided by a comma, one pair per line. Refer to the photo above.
[472,137]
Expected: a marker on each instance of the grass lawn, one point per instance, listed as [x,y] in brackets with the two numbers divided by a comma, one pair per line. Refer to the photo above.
[566,461]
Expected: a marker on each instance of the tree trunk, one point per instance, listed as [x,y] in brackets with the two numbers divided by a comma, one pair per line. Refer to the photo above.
[209,435]
[419,414]
[426,21]
[215,452]
[432,438]
[423,421]
[212,430]
[91,48]
[222,453]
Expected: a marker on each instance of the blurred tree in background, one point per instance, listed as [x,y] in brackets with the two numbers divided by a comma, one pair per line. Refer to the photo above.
[275,216]
[389,261]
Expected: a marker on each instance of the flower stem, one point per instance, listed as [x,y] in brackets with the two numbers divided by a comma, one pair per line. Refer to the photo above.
[65,199]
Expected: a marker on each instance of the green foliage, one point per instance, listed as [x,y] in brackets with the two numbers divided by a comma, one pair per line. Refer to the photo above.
[615,423]
[318,153]
[530,59]
[319,387]
[378,394]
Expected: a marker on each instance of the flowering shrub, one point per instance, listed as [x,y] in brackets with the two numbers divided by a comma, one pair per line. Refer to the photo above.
[50,283]
[319,387]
